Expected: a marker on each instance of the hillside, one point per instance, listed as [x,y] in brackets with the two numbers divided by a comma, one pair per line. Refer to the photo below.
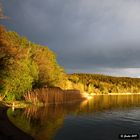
[102,84]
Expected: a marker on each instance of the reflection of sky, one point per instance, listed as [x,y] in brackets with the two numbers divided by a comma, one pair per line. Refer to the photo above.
[88,36]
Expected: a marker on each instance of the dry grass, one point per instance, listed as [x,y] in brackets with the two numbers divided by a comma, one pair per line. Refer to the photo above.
[52,96]
[1,97]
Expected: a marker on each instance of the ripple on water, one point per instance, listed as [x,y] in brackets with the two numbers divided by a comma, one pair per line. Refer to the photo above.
[101,125]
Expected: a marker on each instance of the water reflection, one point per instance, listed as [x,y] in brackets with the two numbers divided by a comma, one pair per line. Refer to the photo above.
[43,123]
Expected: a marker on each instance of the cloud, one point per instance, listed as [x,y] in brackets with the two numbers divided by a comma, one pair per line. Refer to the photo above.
[121,72]
[86,35]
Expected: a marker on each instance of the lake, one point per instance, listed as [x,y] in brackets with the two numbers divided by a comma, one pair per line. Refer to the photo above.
[102,117]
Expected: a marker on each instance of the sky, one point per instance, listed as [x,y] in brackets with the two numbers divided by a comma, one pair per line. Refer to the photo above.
[88,36]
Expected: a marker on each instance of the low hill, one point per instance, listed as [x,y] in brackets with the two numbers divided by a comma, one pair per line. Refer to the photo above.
[97,83]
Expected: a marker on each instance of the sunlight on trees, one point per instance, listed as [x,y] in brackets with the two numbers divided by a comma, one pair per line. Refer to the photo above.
[24,65]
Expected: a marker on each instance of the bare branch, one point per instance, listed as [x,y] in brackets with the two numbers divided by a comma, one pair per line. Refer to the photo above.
[2,16]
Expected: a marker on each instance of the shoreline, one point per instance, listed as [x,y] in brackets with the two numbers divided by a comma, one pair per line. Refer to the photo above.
[8,131]
[85,95]
[94,94]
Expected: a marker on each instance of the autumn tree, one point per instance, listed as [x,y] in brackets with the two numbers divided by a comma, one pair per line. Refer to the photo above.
[25,65]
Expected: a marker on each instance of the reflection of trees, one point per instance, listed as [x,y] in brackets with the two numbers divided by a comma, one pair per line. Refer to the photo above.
[106,102]
[43,123]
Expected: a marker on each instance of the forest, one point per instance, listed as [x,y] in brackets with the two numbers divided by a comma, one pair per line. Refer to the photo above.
[25,66]
[102,84]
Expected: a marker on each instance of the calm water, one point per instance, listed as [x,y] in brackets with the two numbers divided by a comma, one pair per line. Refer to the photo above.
[103,117]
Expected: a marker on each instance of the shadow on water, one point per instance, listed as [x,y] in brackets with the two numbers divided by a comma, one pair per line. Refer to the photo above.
[8,131]
[75,121]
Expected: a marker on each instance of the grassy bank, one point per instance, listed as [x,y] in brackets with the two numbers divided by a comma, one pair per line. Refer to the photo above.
[15,104]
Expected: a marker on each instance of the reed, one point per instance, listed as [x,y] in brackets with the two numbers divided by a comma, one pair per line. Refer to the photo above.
[2,97]
[52,96]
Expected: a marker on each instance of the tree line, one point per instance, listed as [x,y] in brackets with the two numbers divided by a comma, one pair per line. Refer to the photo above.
[102,84]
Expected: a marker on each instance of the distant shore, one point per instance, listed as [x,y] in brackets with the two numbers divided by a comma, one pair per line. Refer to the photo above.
[123,93]
[94,94]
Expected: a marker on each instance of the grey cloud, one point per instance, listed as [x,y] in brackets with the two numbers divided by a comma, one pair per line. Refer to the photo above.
[86,35]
